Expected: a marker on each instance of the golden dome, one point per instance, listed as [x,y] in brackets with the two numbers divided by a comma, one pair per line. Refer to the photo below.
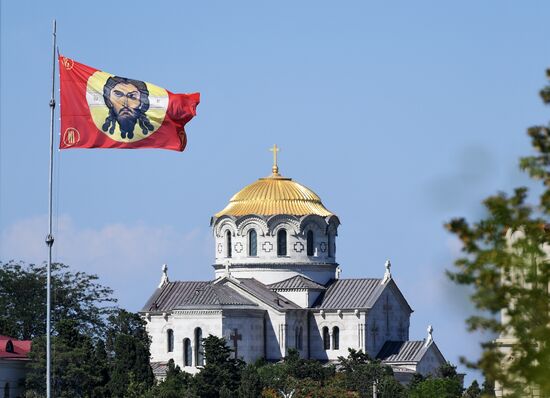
[275,195]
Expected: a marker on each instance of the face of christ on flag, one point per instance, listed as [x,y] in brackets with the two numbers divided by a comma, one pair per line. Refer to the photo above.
[102,110]
[127,110]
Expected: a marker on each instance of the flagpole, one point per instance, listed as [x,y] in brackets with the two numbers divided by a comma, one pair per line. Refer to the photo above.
[49,238]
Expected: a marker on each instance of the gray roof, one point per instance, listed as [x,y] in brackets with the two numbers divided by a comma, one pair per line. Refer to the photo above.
[349,293]
[175,295]
[159,368]
[263,293]
[402,351]
[296,282]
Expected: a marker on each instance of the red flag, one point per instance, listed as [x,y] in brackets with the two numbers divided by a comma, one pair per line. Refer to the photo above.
[100,110]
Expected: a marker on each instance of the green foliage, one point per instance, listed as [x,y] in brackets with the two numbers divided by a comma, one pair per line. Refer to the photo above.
[361,373]
[75,295]
[128,348]
[437,388]
[300,368]
[416,379]
[388,387]
[504,263]
[473,391]
[97,350]
[220,370]
[83,367]
[251,384]
[175,385]
[77,367]
[488,389]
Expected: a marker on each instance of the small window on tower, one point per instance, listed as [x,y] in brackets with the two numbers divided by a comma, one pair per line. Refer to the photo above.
[170,340]
[228,243]
[281,242]
[252,243]
[310,243]
[335,338]
[326,339]
[330,244]
[199,349]
[187,352]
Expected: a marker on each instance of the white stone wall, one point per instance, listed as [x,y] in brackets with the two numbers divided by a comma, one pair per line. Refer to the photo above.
[270,273]
[183,323]
[296,320]
[351,326]
[267,229]
[303,297]
[299,297]
[387,320]
[430,362]
[250,328]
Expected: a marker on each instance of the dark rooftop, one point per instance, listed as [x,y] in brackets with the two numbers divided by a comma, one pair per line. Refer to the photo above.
[296,282]
[402,351]
[174,295]
[349,293]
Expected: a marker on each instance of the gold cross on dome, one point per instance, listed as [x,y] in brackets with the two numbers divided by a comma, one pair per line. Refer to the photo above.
[275,168]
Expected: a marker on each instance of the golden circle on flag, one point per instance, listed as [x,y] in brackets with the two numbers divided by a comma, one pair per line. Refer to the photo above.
[67,63]
[71,137]
[126,110]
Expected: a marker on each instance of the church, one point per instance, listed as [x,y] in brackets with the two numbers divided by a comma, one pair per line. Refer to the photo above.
[277,286]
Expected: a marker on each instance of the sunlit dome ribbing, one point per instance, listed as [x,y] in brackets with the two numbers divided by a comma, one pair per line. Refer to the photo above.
[275,195]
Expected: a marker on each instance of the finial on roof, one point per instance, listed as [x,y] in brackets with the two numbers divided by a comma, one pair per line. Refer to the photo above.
[430,337]
[275,168]
[164,279]
[227,272]
[387,273]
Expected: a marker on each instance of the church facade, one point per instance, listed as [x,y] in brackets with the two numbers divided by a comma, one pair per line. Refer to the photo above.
[277,286]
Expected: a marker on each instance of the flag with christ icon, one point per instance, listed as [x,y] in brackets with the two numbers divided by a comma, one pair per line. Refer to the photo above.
[100,110]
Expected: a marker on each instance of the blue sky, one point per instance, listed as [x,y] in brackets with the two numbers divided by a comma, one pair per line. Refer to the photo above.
[400,115]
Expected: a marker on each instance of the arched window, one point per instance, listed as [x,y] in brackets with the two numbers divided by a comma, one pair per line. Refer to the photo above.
[326,339]
[228,243]
[310,243]
[281,242]
[9,346]
[7,390]
[187,352]
[170,340]
[199,349]
[331,244]
[335,338]
[252,243]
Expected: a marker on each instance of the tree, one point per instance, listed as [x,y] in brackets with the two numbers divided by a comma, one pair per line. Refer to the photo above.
[473,391]
[251,385]
[361,372]
[506,263]
[77,370]
[436,388]
[97,350]
[128,347]
[388,387]
[220,370]
[175,385]
[300,368]
[75,295]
